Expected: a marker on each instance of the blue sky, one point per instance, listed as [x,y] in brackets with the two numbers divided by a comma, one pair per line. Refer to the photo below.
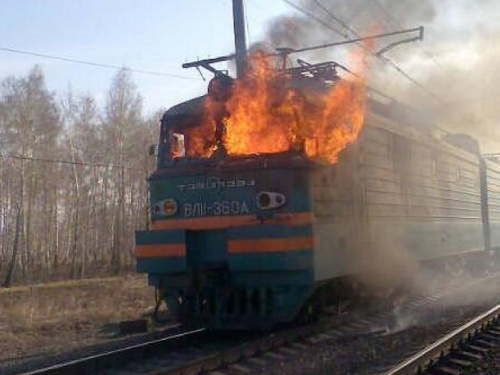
[154,35]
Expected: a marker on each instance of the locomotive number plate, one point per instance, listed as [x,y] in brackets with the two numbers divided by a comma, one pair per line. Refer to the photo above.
[217,208]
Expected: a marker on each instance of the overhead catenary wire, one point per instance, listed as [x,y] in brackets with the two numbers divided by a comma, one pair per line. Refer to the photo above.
[411,79]
[93,63]
[334,17]
[395,23]
[247,27]
[260,8]
[315,18]
[70,162]
[357,40]
[382,58]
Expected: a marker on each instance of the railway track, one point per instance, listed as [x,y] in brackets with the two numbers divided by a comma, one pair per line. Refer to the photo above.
[115,359]
[189,352]
[197,351]
[458,351]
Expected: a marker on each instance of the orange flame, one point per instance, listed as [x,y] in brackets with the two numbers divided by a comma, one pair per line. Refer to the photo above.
[201,140]
[265,114]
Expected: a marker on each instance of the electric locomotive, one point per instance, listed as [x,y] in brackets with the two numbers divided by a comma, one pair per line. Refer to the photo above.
[254,240]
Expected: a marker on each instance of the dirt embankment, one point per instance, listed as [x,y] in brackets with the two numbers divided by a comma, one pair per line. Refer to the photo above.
[51,318]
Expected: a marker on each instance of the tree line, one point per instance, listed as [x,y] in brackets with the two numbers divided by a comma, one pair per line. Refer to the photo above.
[72,179]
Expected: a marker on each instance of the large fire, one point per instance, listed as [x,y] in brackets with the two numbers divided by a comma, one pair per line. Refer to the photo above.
[268,113]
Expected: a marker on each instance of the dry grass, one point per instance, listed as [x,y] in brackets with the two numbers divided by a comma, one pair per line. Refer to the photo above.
[50,318]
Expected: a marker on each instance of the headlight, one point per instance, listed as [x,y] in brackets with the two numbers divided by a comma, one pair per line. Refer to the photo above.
[267,200]
[170,207]
[167,207]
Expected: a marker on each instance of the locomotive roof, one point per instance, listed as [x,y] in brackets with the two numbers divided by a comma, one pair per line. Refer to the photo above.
[186,114]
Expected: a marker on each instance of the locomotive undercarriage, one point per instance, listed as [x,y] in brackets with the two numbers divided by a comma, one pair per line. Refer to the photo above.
[211,297]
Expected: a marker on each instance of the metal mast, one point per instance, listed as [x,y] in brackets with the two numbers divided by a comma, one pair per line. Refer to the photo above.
[240,42]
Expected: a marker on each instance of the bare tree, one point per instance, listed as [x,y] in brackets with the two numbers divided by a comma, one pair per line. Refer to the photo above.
[29,125]
[73,179]
[122,115]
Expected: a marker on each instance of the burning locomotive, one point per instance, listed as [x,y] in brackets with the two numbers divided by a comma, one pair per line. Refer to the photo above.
[276,188]
[243,239]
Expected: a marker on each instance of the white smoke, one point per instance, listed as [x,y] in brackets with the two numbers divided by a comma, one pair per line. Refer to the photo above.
[456,63]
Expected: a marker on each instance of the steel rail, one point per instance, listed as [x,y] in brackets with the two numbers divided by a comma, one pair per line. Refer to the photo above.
[443,346]
[93,364]
[230,355]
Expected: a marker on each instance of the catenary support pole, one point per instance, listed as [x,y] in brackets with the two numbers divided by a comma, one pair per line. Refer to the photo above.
[239,37]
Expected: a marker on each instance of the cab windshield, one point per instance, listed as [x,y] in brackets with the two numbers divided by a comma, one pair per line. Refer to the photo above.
[185,133]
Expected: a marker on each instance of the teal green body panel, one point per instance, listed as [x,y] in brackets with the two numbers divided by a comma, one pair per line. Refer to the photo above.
[266,262]
[441,239]
[269,231]
[334,248]
[206,247]
[223,192]
[395,198]
[161,265]
[172,264]
[338,253]
[146,237]
[493,202]
[304,277]
[299,259]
